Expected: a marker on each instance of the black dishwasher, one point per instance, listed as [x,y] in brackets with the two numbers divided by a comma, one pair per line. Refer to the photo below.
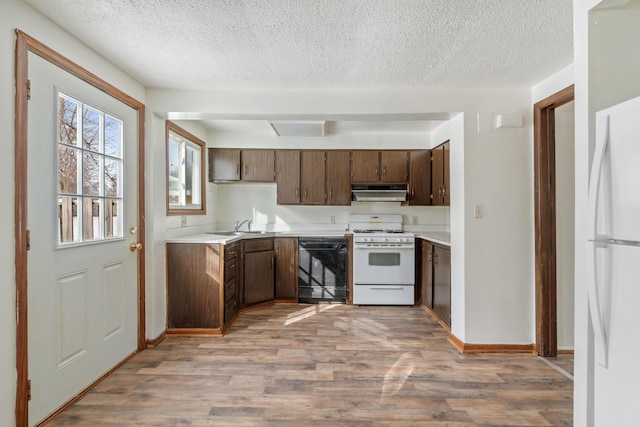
[322,270]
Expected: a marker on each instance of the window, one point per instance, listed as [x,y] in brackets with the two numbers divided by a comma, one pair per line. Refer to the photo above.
[185,172]
[90,166]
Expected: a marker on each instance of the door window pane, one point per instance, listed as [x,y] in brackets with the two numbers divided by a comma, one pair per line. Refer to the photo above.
[67,121]
[90,129]
[112,136]
[68,170]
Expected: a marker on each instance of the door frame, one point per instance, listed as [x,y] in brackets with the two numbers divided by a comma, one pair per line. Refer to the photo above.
[545,219]
[24,45]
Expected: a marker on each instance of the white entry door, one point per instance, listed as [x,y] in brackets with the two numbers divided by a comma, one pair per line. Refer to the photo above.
[82,213]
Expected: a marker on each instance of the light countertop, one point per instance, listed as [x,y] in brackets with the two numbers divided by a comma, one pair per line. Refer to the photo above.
[216,238]
[443,238]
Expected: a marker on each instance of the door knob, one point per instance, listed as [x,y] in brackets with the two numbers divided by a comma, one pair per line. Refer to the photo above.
[135,246]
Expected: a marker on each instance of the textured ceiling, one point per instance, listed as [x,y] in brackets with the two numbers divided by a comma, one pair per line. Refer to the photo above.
[324,44]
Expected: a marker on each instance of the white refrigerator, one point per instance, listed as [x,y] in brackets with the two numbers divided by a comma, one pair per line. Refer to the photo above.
[614,264]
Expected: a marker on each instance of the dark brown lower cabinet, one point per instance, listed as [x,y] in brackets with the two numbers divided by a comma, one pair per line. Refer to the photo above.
[194,285]
[258,261]
[442,283]
[427,274]
[286,249]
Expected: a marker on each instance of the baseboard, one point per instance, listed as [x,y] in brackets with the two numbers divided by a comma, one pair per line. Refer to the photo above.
[565,352]
[156,341]
[195,332]
[490,348]
[435,317]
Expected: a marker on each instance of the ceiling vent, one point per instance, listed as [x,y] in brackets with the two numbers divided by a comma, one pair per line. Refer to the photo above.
[299,128]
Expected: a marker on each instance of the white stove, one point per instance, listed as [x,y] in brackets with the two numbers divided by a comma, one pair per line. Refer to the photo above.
[383,260]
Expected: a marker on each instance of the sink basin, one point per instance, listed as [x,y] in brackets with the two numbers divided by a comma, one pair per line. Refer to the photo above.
[235,233]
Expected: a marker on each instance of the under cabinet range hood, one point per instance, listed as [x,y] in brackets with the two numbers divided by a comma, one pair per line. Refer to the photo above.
[379,192]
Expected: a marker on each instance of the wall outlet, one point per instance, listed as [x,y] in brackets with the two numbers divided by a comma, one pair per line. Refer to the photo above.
[332,219]
[478,211]
[183,221]
[414,220]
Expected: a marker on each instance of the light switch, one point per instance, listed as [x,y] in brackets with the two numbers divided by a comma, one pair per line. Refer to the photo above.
[478,211]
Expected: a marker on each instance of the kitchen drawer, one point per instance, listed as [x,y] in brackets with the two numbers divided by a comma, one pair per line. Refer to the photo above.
[230,290]
[230,269]
[258,245]
[230,251]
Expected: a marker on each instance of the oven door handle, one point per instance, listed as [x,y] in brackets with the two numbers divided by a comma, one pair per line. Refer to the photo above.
[368,247]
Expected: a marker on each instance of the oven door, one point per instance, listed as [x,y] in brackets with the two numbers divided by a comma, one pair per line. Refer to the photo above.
[384,265]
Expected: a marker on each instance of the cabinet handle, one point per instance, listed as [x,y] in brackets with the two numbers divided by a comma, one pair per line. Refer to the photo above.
[413,192]
[237,168]
[232,266]
[435,258]
[444,191]
[430,257]
[305,193]
[245,169]
[273,262]
[297,193]
[384,170]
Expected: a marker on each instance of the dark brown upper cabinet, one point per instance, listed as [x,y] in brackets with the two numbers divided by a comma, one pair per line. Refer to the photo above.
[288,177]
[440,175]
[379,166]
[365,166]
[258,165]
[230,164]
[419,178]
[313,177]
[394,166]
[338,178]
[224,164]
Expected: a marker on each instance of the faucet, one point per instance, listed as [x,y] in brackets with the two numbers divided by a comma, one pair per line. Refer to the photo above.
[240,224]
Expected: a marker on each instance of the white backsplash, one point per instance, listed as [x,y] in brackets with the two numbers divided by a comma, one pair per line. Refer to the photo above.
[258,202]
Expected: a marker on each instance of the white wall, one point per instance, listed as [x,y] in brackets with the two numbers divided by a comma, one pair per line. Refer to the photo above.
[16,14]
[494,271]
[565,223]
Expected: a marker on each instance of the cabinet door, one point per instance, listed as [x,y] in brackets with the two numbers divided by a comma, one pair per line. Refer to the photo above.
[313,178]
[427,274]
[365,166]
[258,165]
[224,164]
[286,249]
[437,176]
[394,166]
[442,283]
[338,178]
[288,177]
[193,285]
[259,277]
[419,178]
[445,173]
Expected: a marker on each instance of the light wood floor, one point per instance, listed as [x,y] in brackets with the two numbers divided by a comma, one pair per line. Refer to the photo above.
[328,365]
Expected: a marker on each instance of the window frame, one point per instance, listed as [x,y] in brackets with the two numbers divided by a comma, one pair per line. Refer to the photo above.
[185,209]
[104,234]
